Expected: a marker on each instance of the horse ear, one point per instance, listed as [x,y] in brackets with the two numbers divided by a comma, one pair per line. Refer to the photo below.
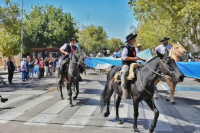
[159,54]
[173,44]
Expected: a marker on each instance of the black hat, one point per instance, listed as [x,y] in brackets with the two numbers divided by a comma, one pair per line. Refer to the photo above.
[74,39]
[130,36]
[164,38]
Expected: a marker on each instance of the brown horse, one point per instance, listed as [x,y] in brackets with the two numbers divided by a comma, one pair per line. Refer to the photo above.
[176,52]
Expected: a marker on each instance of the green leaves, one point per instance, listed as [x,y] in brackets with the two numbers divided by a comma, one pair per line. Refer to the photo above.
[176,19]
[47,26]
[10,29]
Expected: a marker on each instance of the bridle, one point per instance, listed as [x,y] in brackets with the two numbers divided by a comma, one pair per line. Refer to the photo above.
[159,74]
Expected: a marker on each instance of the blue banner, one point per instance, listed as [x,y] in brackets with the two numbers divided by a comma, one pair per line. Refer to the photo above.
[190,69]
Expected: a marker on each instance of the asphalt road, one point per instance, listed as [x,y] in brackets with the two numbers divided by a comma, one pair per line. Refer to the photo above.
[35,106]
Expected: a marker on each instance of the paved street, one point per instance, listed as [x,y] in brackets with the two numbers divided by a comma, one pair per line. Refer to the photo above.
[35,106]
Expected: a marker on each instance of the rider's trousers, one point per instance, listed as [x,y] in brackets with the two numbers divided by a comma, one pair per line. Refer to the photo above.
[124,74]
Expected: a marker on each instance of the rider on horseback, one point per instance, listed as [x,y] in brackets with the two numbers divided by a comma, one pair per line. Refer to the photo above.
[128,57]
[162,47]
[67,51]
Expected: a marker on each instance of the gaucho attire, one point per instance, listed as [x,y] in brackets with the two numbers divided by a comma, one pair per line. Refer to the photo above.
[161,48]
[67,47]
[127,51]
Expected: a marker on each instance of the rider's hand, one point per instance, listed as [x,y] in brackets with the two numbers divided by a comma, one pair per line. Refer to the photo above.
[143,60]
[66,53]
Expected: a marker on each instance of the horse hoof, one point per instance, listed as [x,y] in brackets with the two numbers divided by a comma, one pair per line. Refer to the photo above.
[74,98]
[150,132]
[106,114]
[137,131]
[119,122]
[62,98]
[173,102]
[167,99]
[71,105]
[155,97]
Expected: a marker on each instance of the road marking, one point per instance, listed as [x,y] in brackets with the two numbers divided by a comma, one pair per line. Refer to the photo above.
[49,114]
[11,101]
[163,86]
[13,113]
[83,114]
[24,92]
[162,123]
[111,123]
[189,113]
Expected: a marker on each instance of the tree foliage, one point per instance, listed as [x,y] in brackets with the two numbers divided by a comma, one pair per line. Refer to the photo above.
[92,38]
[114,43]
[176,19]
[10,29]
[47,26]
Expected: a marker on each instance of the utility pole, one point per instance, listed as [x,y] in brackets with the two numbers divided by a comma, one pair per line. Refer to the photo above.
[21,49]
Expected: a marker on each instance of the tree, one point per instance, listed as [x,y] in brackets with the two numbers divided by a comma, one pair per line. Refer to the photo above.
[47,26]
[10,29]
[114,43]
[179,19]
[92,38]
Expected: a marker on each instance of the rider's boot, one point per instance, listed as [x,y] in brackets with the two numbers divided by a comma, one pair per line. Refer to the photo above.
[125,94]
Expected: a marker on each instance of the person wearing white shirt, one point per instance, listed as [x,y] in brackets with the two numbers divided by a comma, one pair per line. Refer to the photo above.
[139,48]
[128,57]
[23,69]
[67,50]
[163,47]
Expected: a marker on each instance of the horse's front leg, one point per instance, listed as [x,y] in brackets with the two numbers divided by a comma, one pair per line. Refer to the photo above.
[172,93]
[136,114]
[155,93]
[107,113]
[172,89]
[151,104]
[70,94]
[117,110]
[61,94]
[77,90]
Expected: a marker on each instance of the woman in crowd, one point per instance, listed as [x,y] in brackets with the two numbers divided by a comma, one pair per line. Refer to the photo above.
[41,68]
[50,66]
[23,69]
[31,66]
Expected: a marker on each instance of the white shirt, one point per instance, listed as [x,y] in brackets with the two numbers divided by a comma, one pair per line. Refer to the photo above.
[65,46]
[23,66]
[161,48]
[137,50]
[125,52]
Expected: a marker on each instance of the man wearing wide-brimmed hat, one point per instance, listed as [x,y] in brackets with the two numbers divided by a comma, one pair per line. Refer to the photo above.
[139,48]
[164,46]
[67,50]
[128,57]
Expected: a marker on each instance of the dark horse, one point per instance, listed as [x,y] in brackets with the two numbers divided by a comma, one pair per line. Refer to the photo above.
[142,88]
[71,75]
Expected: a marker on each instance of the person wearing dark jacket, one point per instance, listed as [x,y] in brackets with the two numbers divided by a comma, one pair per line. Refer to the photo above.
[11,69]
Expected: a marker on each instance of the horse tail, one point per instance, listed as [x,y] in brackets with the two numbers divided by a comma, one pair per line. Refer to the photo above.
[104,98]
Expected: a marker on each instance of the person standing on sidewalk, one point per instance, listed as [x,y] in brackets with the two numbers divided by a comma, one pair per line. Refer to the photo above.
[46,66]
[50,66]
[27,68]
[11,69]
[31,66]
[23,69]
[5,64]
[42,67]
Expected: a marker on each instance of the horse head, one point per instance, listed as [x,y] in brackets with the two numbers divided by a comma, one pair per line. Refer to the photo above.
[77,55]
[168,67]
[178,49]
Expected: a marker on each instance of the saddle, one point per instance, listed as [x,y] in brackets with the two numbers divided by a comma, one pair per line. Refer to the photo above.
[132,73]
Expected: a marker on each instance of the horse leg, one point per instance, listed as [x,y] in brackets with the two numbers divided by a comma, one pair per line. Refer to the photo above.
[136,114]
[155,93]
[107,113]
[172,93]
[151,104]
[77,90]
[70,94]
[117,110]
[60,86]
[170,84]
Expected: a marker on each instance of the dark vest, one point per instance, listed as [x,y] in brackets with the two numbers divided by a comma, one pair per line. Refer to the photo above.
[68,50]
[131,50]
